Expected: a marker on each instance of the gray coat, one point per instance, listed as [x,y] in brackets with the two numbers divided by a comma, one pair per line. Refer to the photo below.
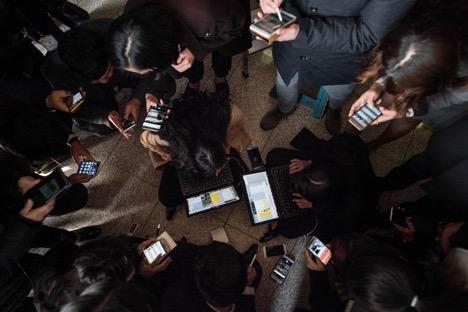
[335,37]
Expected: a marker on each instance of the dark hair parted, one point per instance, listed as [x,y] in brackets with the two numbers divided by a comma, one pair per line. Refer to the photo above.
[144,38]
[196,131]
[85,52]
[220,274]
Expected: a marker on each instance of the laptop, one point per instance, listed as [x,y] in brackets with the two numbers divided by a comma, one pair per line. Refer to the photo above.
[269,195]
[206,193]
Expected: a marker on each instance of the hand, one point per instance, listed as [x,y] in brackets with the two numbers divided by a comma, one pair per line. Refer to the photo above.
[184,61]
[269,6]
[312,263]
[114,118]
[289,33]
[79,152]
[26,183]
[251,275]
[79,178]
[37,214]
[407,233]
[370,97]
[158,265]
[57,99]
[297,165]
[387,115]
[132,109]
[151,101]
[301,202]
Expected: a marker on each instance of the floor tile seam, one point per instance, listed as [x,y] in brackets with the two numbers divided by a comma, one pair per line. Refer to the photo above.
[121,167]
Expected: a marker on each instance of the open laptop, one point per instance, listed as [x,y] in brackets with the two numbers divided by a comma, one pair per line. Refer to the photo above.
[269,195]
[207,193]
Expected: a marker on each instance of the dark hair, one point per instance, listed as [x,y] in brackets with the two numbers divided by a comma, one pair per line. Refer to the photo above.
[196,131]
[416,63]
[220,274]
[111,296]
[460,238]
[85,52]
[108,258]
[10,21]
[381,284]
[144,38]
[312,182]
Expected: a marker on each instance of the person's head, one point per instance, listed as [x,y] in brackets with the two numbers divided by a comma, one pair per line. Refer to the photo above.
[84,51]
[143,39]
[196,132]
[220,274]
[314,181]
[110,296]
[382,284]
[415,63]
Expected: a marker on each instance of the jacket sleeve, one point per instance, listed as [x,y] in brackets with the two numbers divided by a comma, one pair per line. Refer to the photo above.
[355,34]
[15,240]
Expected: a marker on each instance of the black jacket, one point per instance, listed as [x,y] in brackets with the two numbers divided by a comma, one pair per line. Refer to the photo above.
[335,37]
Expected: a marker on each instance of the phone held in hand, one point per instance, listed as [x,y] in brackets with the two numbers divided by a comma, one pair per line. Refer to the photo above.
[128,124]
[74,101]
[365,116]
[319,250]
[159,248]
[266,27]
[273,251]
[281,270]
[156,117]
[49,188]
[88,167]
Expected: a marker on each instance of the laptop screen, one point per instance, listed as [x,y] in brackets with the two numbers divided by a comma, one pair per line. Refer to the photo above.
[210,200]
[261,204]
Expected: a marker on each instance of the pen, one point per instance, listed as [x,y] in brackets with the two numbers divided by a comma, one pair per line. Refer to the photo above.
[253,260]
[157,229]
[278,12]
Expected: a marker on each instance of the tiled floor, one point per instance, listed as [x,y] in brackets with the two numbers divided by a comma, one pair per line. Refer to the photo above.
[125,191]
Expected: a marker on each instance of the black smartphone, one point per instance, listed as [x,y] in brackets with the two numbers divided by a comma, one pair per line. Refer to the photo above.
[49,188]
[88,167]
[128,124]
[273,251]
[74,101]
[281,270]
[155,118]
[397,215]
[255,158]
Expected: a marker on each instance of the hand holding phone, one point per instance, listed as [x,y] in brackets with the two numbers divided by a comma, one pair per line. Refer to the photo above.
[157,249]
[48,188]
[319,250]
[74,101]
[365,116]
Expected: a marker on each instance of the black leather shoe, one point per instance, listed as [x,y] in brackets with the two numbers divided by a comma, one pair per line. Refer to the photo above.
[87,233]
[249,254]
[170,212]
[269,235]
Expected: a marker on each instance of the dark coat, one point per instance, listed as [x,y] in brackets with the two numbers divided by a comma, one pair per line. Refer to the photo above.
[335,37]
[200,21]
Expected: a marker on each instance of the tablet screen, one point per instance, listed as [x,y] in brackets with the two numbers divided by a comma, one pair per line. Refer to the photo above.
[261,203]
[211,200]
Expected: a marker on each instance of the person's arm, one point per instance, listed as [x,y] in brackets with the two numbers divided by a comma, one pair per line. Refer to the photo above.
[351,34]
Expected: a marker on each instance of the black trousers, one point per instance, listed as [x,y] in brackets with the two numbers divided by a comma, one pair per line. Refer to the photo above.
[299,225]
[170,194]
[220,63]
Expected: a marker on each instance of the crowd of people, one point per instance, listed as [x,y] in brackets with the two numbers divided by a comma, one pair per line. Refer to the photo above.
[410,56]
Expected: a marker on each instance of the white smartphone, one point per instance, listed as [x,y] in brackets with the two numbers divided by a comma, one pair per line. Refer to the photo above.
[281,270]
[269,24]
[319,250]
[159,248]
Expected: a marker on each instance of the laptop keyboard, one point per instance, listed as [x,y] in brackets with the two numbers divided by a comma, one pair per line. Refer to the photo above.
[193,184]
[283,188]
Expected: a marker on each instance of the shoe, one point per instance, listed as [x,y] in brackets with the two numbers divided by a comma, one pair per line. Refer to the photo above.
[189,92]
[170,212]
[249,254]
[272,119]
[333,121]
[222,87]
[87,233]
[269,234]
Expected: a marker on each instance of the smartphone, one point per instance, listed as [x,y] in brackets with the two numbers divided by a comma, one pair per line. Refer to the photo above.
[273,251]
[282,268]
[319,250]
[74,101]
[133,229]
[269,24]
[159,248]
[155,118]
[364,116]
[397,215]
[49,188]
[128,124]
[255,158]
[88,167]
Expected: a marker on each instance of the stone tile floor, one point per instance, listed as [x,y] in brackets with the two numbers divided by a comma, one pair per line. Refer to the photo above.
[125,191]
